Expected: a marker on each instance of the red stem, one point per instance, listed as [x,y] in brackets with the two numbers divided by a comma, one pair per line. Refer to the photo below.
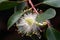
[32,6]
[48,23]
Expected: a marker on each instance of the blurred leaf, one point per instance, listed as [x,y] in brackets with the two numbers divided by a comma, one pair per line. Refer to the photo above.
[55,3]
[50,13]
[3,0]
[11,4]
[52,34]
[14,18]
[21,5]
[8,5]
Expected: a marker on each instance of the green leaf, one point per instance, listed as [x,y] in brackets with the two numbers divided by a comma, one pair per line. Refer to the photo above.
[52,34]
[55,3]
[8,5]
[3,0]
[11,4]
[16,15]
[21,5]
[50,13]
[14,18]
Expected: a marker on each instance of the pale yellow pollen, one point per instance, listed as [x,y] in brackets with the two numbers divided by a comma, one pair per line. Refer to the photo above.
[29,21]
[36,33]
[44,23]
[39,24]
[33,32]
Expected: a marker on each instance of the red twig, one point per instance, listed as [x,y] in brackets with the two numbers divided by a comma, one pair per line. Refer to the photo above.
[48,23]
[32,6]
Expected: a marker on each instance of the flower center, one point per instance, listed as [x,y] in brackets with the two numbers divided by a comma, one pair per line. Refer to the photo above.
[29,21]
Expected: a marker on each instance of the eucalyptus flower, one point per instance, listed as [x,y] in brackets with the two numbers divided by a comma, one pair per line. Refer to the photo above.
[28,24]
